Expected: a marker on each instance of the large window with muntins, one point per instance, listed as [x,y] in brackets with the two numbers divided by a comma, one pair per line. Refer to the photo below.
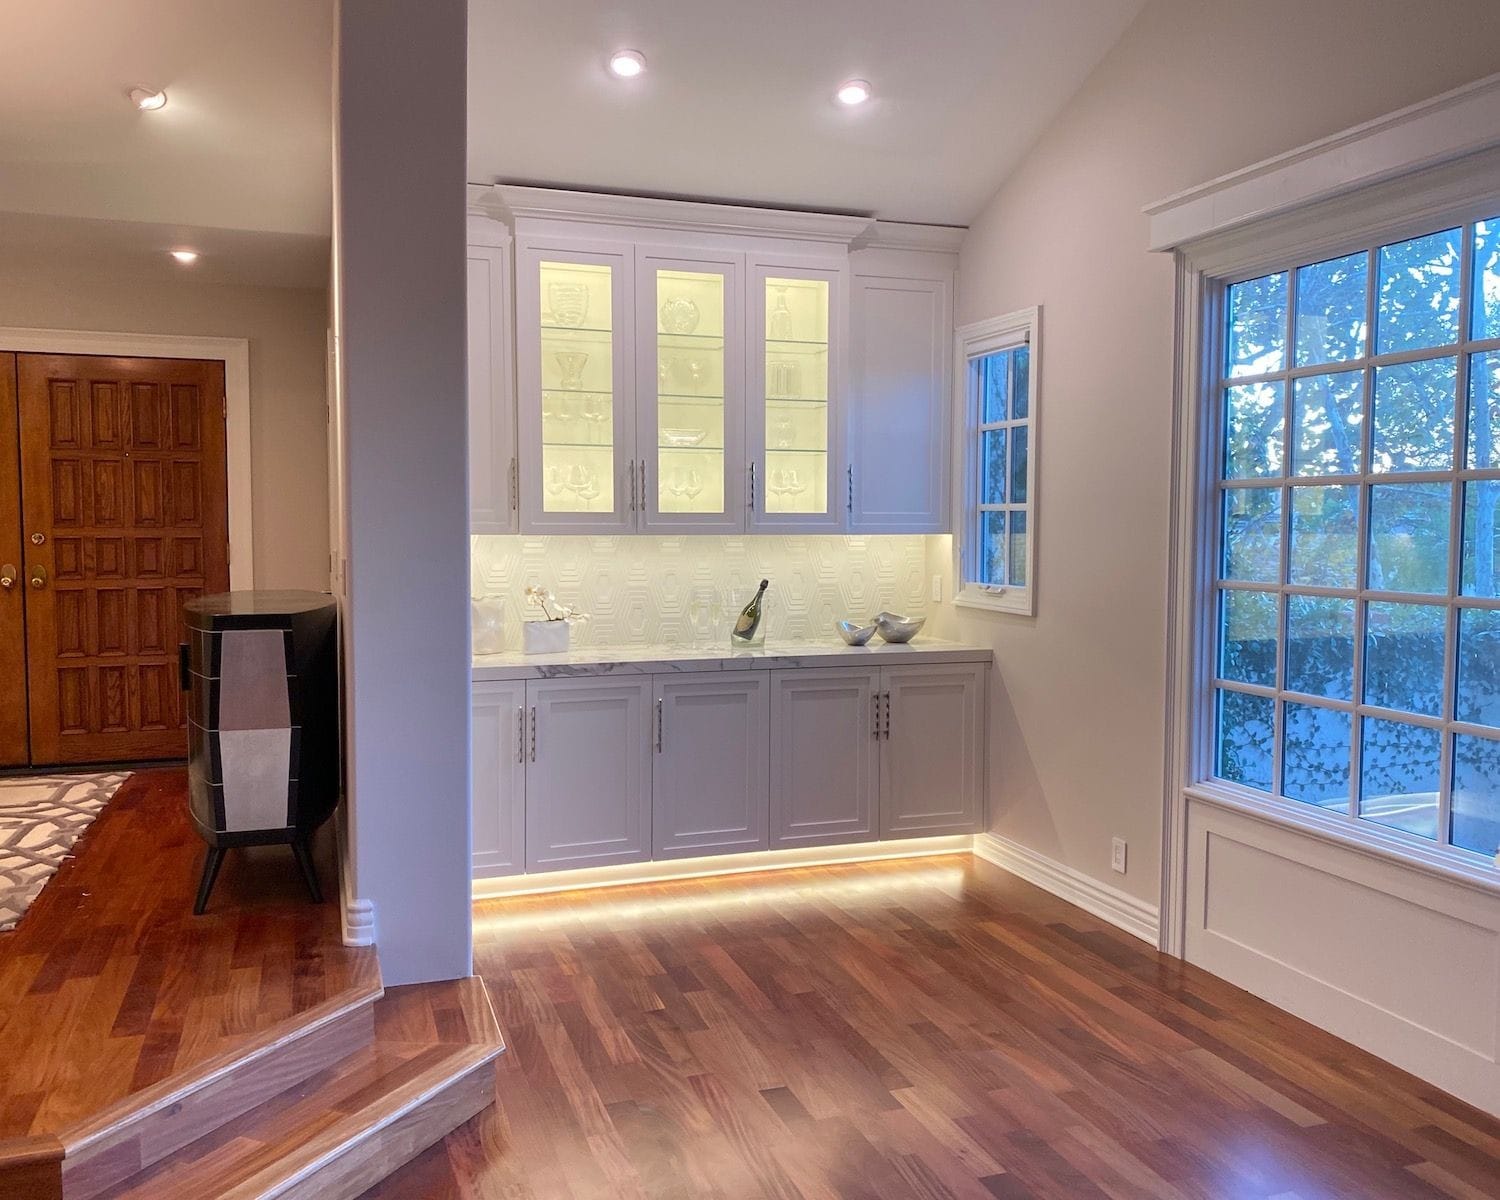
[1356,620]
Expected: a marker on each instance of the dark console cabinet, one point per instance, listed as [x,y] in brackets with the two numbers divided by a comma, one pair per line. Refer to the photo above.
[261,674]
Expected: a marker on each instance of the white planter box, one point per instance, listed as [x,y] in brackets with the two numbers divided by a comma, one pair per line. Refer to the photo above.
[544,637]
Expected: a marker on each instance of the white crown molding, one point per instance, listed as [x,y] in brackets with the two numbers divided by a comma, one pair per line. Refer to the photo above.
[1107,903]
[234,353]
[643,212]
[899,235]
[1453,125]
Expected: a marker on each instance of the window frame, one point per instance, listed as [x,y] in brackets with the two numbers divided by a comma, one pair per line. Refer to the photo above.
[972,341]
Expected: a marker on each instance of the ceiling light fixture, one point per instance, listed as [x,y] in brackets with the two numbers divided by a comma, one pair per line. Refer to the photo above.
[147,99]
[627,64]
[186,257]
[852,92]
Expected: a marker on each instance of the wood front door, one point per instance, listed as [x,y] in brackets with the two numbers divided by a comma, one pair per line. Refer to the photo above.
[13,749]
[124,517]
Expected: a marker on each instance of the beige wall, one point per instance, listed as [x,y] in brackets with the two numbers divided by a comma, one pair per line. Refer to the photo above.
[287,332]
[1195,88]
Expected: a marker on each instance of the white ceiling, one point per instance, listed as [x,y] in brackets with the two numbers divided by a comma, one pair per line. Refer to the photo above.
[736,103]
[240,159]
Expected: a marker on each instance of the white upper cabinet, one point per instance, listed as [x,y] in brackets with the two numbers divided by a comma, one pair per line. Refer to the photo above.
[492,424]
[699,368]
[575,385]
[899,399]
[690,391]
[798,326]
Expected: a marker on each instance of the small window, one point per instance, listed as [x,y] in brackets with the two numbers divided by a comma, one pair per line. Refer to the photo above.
[996,543]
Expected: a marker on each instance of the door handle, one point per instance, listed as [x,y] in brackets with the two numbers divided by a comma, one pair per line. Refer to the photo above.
[875,710]
[38,577]
[658,726]
[888,716]
[645,504]
[8,576]
[851,490]
[521,734]
[533,734]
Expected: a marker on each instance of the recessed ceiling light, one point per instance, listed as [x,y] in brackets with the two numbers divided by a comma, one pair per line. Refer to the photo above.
[186,257]
[627,64]
[147,99]
[853,91]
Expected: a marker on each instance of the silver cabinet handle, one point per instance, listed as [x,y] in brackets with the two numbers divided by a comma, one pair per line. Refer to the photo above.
[521,734]
[875,710]
[645,503]
[752,485]
[658,725]
[631,473]
[533,734]
[888,716]
[851,489]
[515,486]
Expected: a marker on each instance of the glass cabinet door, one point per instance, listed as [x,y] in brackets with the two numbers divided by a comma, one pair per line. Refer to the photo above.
[689,396]
[795,377]
[573,325]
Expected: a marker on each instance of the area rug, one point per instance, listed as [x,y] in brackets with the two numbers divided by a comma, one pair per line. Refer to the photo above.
[41,816]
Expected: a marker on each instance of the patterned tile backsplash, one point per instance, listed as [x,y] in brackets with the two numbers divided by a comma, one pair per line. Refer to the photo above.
[641,589]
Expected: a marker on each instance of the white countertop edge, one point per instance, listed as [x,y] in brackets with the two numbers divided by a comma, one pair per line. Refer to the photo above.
[646,660]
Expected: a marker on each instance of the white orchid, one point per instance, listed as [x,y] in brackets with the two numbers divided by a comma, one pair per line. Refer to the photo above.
[546,600]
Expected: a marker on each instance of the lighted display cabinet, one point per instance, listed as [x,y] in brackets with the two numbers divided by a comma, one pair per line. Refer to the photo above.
[690,357]
[699,368]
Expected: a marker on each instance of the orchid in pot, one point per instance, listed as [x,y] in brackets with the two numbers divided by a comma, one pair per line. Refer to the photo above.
[549,635]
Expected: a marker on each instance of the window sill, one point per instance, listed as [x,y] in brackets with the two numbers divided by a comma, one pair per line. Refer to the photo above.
[1471,870]
[1017,601]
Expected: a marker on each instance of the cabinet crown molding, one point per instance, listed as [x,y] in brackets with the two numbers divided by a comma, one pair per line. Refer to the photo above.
[900,235]
[516,203]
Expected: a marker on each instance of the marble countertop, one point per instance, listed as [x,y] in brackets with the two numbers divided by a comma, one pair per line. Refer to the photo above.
[650,660]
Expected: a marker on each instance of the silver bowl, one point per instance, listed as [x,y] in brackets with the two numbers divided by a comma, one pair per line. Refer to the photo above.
[893,627]
[854,635]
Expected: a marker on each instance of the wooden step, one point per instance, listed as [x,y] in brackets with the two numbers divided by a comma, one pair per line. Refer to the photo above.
[430,1067]
[152,1124]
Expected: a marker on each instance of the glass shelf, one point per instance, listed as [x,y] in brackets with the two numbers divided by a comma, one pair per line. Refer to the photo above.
[804,401]
[548,330]
[705,447]
[810,345]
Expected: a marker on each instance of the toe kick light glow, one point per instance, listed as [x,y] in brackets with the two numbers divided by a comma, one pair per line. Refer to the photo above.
[853,91]
[627,64]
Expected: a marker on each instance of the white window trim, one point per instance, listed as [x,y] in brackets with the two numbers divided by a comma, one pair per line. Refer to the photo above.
[1020,328]
[1451,194]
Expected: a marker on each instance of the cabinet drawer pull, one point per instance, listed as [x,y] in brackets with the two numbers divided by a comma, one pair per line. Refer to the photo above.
[521,734]
[533,734]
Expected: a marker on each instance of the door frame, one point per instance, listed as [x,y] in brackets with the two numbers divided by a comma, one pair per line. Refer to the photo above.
[234,353]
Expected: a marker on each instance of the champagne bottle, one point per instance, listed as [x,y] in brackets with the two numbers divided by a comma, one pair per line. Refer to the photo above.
[748,621]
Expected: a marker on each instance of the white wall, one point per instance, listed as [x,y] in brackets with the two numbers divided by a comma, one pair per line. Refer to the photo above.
[1194,89]
[287,332]
[400,324]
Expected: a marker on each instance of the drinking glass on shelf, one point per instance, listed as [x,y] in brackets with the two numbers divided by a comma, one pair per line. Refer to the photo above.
[780,325]
[569,303]
[782,430]
[570,364]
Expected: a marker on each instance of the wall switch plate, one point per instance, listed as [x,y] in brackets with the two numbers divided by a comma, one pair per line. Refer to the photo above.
[1117,855]
[937,589]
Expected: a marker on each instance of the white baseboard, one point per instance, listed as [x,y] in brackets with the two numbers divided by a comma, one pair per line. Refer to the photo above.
[1107,903]
[356,916]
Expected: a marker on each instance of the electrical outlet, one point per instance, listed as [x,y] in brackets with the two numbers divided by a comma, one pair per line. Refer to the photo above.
[1117,855]
[937,589]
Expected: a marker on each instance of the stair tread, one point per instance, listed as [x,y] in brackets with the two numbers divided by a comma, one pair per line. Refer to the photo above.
[425,1037]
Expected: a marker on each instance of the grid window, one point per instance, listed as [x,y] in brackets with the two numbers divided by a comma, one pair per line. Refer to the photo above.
[1356,615]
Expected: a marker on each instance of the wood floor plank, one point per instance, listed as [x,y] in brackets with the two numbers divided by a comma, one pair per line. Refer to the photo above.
[921,1030]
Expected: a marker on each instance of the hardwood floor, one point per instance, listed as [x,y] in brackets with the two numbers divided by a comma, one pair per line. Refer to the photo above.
[109,984]
[929,1029]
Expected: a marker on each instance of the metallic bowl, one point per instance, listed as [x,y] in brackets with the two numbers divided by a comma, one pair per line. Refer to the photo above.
[893,627]
[854,635]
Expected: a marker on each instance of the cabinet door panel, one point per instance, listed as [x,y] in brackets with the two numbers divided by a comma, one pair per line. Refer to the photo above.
[710,777]
[575,383]
[588,773]
[492,409]
[798,338]
[825,756]
[690,391]
[899,408]
[932,762]
[498,789]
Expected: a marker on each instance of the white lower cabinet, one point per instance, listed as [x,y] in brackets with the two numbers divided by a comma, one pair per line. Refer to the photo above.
[932,750]
[588,772]
[709,786]
[499,777]
[825,756]
[592,771]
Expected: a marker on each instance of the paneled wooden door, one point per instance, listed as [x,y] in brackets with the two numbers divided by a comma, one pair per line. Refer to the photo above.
[124,517]
[13,748]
